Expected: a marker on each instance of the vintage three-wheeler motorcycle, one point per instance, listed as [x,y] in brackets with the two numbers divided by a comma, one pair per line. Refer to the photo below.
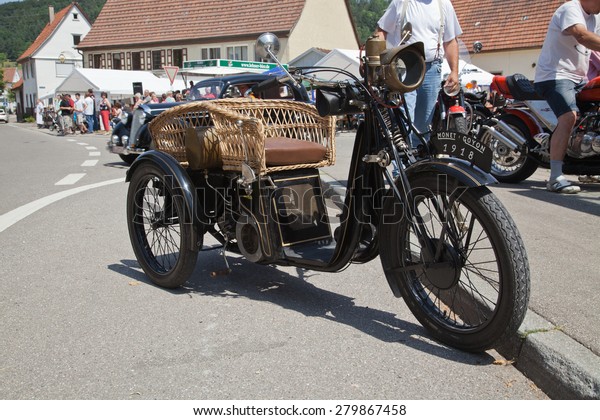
[246,171]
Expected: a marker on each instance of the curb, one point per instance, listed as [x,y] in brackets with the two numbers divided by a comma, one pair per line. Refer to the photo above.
[561,367]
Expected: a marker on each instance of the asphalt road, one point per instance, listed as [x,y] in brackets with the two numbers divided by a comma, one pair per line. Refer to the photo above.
[80,320]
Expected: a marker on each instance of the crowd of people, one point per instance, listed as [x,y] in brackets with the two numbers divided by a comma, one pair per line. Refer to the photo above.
[88,114]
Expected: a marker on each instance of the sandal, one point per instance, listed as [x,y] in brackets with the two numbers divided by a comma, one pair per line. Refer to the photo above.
[563,186]
[589,179]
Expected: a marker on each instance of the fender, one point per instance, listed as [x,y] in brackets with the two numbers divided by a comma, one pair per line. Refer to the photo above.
[528,119]
[182,182]
[144,138]
[467,175]
[456,109]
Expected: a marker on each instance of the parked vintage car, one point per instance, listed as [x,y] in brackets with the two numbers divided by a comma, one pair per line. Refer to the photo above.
[131,137]
[3,115]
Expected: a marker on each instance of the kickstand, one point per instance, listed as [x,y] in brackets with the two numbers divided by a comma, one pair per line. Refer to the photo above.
[226,270]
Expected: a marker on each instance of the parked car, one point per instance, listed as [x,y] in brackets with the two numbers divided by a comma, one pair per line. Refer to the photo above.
[3,115]
[131,137]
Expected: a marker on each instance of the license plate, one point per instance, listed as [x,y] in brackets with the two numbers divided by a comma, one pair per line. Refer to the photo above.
[462,146]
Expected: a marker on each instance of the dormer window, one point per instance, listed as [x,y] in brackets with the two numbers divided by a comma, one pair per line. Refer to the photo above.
[75,16]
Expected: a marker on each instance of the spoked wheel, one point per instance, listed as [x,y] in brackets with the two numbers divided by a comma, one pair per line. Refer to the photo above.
[162,241]
[468,281]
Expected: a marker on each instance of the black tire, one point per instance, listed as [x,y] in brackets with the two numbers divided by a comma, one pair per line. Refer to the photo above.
[478,299]
[128,159]
[458,123]
[163,243]
[511,166]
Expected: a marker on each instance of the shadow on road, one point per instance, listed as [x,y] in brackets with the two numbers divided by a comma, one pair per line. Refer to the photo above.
[587,201]
[294,292]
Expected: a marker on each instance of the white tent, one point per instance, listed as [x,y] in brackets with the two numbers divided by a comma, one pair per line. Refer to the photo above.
[117,83]
[469,72]
[343,59]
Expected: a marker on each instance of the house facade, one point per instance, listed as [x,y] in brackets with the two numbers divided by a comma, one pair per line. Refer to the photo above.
[188,30]
[11,77]
[52,56]
[512,32]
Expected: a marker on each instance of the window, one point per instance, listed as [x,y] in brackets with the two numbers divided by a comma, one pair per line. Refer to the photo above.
[76,39]
[157,60]
[117,62]
[75,17]
[97,61]
[178,58]
[211,53]
[136,60]
[237,53]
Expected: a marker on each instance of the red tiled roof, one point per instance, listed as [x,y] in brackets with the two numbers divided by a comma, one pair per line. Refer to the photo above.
[9,74]
[505,24]
[45,34]
[138,22]
[17,85]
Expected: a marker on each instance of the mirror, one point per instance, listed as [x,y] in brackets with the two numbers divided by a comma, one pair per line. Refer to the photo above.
[477,46]
[267,45]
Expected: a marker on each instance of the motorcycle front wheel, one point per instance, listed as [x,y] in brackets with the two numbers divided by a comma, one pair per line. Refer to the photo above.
[467,280]
[161,239]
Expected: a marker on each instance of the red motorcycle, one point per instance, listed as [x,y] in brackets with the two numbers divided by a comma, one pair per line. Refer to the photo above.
[521,139]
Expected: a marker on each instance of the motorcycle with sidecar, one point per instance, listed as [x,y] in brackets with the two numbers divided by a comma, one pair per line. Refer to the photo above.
[246,172]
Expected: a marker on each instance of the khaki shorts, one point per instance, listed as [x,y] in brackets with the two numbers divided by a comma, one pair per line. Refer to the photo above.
[80,119]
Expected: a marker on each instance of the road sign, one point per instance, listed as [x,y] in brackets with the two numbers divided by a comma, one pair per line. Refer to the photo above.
[171,72]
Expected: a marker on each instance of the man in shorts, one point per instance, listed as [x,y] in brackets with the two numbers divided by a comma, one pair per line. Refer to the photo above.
[561,73]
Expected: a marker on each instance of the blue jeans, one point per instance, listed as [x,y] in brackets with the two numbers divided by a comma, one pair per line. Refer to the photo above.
[90,123]
[421,102]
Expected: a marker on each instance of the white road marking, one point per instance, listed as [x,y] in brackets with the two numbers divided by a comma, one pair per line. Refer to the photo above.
[70,179]
[71,140]
[13,216]
[94,153]
[90,162]
[82,144]
[91,148]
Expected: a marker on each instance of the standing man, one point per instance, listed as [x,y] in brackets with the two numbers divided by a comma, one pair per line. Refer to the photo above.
[79,105]
[561,73]
[66,112]
[434,23]
[88,111]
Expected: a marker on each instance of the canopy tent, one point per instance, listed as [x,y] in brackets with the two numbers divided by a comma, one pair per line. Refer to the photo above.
[118,84]
[343,59]
[469,72]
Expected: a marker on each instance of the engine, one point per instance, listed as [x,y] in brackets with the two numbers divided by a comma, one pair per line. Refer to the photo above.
[585,139]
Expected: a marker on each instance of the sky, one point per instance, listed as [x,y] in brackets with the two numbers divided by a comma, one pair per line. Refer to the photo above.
[6,1]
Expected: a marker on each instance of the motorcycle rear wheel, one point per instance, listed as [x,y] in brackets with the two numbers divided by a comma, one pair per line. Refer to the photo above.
[161,239]
[475,295]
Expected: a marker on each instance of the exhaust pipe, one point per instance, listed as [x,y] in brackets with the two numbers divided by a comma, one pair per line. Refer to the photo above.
[508,137]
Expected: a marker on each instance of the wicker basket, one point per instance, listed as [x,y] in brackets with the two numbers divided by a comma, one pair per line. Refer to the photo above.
[240,127]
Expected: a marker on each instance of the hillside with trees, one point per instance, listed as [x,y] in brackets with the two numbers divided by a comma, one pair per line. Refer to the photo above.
[21,22]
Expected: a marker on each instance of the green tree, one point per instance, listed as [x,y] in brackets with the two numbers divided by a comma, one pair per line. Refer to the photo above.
[21,22]
[2,84]
[366,13]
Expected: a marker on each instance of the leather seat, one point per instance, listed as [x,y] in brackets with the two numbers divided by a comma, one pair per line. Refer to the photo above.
[281,151]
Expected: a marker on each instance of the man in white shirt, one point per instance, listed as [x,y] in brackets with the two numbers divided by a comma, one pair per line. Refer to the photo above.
[434,23]
[88,111]
[561,73]
[79,105]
